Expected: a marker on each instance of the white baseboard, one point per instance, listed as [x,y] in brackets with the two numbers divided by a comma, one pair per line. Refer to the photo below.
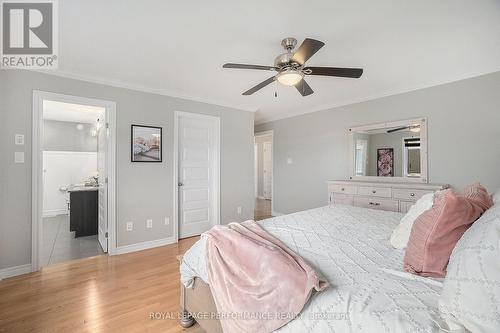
[144,245]
[275,213]
[55,212]
[14,271]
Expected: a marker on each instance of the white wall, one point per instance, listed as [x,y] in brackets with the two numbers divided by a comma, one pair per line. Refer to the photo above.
[144,190]
[64,136]
[463,133]
[61,169]
[69,157]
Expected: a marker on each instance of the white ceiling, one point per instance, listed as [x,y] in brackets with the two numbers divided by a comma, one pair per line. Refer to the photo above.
[74,113]
[178,48]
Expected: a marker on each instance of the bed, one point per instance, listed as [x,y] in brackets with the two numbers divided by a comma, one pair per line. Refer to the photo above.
[348,246]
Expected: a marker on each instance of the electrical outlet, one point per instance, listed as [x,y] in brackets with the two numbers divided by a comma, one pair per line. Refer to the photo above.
[167,220]
[238,209]
[130,226]
[19,139]
[149,224]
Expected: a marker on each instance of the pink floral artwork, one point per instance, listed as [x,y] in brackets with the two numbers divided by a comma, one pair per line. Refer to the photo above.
[385,162]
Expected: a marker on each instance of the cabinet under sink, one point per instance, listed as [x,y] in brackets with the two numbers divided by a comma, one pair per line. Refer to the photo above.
[83,211]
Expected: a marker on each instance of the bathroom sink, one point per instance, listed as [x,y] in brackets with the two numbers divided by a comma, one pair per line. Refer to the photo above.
[82,187]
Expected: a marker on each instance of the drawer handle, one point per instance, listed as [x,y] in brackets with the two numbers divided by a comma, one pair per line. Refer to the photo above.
[374,191]
[374,203]
[342,189]
[412,194]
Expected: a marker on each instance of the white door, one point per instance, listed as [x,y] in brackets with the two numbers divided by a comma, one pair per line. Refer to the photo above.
[256,168]
[268,169]
[102,139]
[198,173]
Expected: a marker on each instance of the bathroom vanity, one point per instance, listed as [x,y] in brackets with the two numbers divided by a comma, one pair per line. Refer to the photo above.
[83,210]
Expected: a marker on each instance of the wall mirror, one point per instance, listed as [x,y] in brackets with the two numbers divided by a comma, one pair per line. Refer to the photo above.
[393,151]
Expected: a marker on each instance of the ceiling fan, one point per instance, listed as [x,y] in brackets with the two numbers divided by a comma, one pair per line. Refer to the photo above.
[291,67]
[413,128]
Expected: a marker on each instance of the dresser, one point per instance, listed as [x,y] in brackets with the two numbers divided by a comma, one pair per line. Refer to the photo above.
[396,197]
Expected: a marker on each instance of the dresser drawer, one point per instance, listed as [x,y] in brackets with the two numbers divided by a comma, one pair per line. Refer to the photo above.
[341,199]
[408,194]
[404,206]
[385,192]
[338,188]
[377,203]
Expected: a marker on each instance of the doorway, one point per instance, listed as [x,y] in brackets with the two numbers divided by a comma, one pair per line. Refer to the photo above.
[263,144]
[197,173]
[73,180]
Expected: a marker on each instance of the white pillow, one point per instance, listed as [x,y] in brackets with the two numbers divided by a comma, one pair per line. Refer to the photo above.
[496,197]
[401,235]
[471,290]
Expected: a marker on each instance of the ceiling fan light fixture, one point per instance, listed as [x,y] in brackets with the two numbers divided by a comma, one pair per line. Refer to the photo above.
[291,67]
[415,128]
[290,77]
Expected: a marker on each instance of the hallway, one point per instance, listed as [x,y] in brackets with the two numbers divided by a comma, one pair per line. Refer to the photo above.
[262,209]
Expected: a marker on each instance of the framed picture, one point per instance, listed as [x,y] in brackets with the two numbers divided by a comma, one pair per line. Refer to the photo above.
[385,162]
[146,143]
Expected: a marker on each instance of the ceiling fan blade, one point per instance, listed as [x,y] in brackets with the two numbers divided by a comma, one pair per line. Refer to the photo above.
[398,129]
[244,66]
[334,71]
[259,86]
[306,50]
[303,88]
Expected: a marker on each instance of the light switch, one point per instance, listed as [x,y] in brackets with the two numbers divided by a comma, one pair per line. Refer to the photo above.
[19,139]
[19,157]
[289,160]
[130,226]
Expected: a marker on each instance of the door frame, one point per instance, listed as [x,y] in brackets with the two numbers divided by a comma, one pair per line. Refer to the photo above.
[37,170]
[256,168]
[269,133]
[175,179]
[266,157]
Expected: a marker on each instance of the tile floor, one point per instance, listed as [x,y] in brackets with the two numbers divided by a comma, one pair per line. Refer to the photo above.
[60,244]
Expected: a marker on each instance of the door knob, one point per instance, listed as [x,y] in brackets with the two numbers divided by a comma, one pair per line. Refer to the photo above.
[180,184]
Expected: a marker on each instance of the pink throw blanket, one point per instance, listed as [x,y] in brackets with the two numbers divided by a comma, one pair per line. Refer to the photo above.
[258,284]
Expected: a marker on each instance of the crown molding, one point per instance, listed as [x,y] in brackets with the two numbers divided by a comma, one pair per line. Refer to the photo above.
[156,91]
[387,93]
[265,119]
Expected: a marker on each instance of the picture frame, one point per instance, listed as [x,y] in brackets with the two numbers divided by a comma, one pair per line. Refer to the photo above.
[385,162]
[146,144]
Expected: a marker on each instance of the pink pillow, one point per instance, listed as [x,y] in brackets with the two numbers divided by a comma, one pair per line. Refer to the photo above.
[437,230]
[479,195]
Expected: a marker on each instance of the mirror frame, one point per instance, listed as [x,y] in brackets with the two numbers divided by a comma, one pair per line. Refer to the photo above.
[423,152]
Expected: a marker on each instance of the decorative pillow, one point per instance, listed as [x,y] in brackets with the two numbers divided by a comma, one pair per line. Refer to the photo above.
[471,290]
[436,231]
[401,234]
[479,195]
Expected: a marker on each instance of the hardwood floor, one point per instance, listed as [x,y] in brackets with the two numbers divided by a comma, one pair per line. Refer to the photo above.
[98,294]
[262,209]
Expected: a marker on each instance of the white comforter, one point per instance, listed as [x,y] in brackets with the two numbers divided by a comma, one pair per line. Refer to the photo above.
[349,246]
